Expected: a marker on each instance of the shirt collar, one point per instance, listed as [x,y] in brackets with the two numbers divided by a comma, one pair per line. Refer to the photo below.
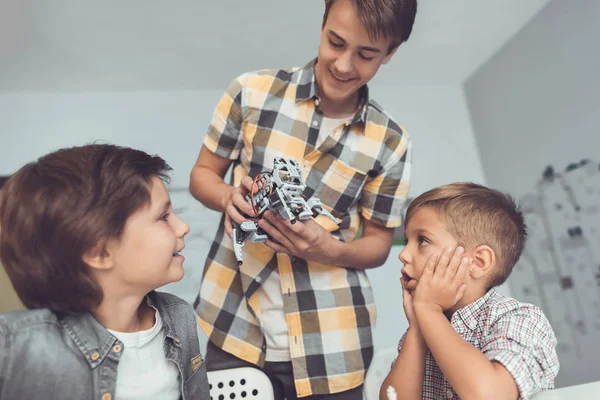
[169,324]
[307,88]
[470,313]
[95,342]
[90,337]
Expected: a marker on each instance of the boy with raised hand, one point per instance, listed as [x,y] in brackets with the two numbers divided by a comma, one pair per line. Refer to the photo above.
[464,339]
[87,234]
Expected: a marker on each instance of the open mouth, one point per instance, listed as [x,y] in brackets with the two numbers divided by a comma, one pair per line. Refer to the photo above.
[178,253]
[409,282]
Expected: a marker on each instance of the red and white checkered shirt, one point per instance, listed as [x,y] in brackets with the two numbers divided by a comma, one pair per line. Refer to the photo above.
[517,335]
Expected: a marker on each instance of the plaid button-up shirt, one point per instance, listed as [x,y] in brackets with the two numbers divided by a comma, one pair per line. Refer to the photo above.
[361,170]
[517,335]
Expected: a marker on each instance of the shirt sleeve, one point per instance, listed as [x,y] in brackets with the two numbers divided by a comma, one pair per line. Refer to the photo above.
[524,343]
[383,197]
[400,344]
[224,136]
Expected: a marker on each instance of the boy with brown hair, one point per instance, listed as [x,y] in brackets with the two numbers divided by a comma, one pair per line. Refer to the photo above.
[301,308]
[86,235]
[464,339]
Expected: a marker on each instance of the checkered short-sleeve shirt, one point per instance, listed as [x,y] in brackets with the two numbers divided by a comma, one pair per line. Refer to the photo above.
[517,335]
[361,170]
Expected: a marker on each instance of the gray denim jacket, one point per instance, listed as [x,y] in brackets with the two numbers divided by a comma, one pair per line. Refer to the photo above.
[72,356]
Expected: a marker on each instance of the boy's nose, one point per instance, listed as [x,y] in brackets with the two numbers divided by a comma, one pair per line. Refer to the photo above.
[343,64]
[403,256]
[183,229]
[186,230]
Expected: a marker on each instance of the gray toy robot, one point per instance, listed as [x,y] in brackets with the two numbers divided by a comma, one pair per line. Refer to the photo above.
[281,192]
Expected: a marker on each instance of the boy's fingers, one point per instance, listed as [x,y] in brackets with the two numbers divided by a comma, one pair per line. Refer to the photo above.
[240,203]
[246,183]
[459,278]
[442,265]
[234,214]
[431,263]
[228,226]
[454,264]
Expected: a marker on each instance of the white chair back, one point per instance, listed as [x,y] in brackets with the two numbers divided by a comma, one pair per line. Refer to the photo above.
[240,384]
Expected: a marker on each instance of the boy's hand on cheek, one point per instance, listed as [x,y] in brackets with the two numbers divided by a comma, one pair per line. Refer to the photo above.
[407,302]
[442,284]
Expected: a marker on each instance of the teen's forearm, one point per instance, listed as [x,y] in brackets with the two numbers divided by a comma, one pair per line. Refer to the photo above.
[209,188]
[364,253]
[408,371]
[468,371]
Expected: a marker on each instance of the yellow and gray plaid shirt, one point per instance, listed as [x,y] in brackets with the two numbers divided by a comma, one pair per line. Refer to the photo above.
[361,170]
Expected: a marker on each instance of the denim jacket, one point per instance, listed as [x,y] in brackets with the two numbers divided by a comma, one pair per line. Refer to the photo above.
[48,356]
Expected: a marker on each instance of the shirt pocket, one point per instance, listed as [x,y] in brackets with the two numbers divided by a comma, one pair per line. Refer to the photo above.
[342,186]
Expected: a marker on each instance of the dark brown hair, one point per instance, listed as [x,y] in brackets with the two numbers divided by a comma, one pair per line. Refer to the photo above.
[54,210]
[3,180]
[476,215]
[392,19]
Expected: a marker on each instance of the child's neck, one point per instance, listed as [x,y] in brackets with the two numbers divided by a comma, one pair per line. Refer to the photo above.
[129,314]
[470,296]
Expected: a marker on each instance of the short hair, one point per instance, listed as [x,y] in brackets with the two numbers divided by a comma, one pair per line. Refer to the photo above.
[383,18]
[54,210]
[476,215]
[3,180]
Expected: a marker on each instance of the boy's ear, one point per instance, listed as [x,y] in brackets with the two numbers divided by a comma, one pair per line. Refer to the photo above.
[484,259]
[99,257]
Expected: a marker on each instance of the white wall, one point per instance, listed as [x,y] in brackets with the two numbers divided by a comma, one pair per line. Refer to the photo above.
[536,103]
[172,124]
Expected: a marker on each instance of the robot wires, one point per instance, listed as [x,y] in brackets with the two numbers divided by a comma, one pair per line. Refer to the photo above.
[260,182]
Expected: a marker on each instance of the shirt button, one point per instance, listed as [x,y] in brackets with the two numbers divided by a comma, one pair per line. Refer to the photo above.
[449,394]
[117,348]
[95,356]
[107,396]
[258,279]
[315,123]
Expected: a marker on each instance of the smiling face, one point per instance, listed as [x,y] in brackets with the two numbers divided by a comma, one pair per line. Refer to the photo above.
[425,235]
[348,58]
[147,254]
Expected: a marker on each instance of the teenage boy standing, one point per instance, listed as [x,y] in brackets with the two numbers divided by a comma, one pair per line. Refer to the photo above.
[301,308]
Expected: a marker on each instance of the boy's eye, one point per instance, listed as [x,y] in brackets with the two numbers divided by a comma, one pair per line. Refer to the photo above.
[164,217]
[334,44]
[423,241]
[366,58]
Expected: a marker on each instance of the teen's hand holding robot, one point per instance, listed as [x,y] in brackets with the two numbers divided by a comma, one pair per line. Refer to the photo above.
[276,195]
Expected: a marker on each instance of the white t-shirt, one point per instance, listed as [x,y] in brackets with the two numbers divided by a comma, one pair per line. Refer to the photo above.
[143,371]
[272,317]
[328,125]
